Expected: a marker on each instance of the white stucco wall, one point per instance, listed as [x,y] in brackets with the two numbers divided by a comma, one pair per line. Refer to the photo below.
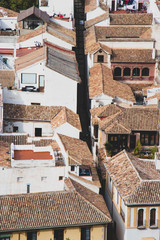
[32,176]
[129,44]
[59,90]
[8,22]
[32,41]
[68,130]
[29,127]
[145,233]
[101,100]
[60,6]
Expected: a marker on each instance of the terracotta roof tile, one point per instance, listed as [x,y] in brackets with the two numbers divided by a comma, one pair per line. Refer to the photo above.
[31,58]
[96,46]
[96,20]
[7,78]
[90,5]
[41,29]
[66,115]
[18,139]
[5,158]
[101,81]
[63,61]
[30,112]
[33,11]
[132,55]
[35,211]
[94,198]
[136,180]
[134,118]
[104,33]
[131,19]
[62,33]
[10,13]
[77,149]
[89,37]
[105,111]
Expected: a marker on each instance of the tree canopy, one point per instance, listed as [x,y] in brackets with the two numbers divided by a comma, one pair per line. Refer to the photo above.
[18,5]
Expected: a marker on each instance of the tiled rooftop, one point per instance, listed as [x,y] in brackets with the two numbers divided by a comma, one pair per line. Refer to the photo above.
[128,118]
[7,78]
[66,116]
[90,5]
[77,149]
[30,112]
[101,81]
[48,210]
[137,181]
[104,33]
[5,158]
[10,13]
[132,55]
[131,19]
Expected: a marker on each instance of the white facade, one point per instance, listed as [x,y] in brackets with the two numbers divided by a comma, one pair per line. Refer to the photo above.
[59,90]
[29,127]
[8,22]
[1,110]
[60,6]
[129,44]
[40,179]
[68,130]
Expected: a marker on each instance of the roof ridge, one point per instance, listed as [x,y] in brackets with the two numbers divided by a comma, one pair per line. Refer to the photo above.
[132,165]
[92,205]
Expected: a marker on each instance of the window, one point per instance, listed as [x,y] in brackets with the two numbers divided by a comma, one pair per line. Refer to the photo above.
[126,72]
[140,217]
[100,58]
[96,131]
[28,78]
[60,178]
[4,236]
[72,168]
[41,80]
[32,236]
[38,132]
[85,233]
[145,72]
[136,72]
[153,217]
[117,72]
[43,178]
[5,60]
[44,3]
[15,129]
[19,179]
[32,103]
[58,234]
[28,188]
[149,138]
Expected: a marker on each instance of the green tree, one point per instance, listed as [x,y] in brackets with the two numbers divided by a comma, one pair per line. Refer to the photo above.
[18,5]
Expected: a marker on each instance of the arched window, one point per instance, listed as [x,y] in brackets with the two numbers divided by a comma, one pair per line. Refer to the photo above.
[140,217]
[136,72]
[152,217]
[117,72]
[145,72]
[126,72]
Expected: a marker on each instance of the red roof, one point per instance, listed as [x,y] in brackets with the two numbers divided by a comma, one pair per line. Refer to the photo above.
[31,155]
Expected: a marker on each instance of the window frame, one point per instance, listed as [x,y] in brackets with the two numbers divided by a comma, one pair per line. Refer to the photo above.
[24,83]
[118,69]
[141,222]
[30,235]
[143,72]
[100,58]
[39,135]
[86,233]
[136,72]
[155,225]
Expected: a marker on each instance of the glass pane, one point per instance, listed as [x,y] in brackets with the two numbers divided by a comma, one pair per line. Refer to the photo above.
[28,78]
[41,80]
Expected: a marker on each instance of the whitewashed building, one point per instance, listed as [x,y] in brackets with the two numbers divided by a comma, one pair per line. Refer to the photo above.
[132,196]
